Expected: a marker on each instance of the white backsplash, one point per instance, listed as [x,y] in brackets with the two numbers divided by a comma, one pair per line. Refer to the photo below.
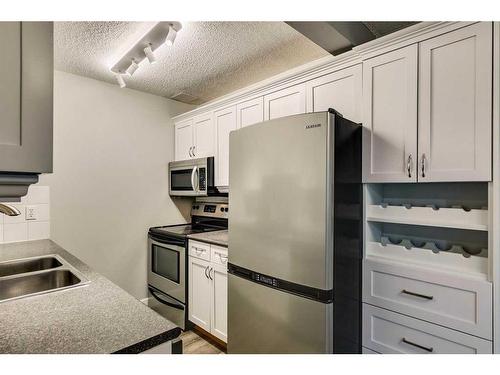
[17,228]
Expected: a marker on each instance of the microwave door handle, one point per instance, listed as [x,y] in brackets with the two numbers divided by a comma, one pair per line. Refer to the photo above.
[193,173]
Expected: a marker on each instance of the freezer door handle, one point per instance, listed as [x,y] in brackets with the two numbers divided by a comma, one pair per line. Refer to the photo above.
[319,295]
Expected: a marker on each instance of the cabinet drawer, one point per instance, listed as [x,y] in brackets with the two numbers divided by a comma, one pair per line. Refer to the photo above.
[219,254]
[439,297]
[199,250]
[389,332]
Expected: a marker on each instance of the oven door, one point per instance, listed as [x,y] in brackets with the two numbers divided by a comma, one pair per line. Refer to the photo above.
[167,267]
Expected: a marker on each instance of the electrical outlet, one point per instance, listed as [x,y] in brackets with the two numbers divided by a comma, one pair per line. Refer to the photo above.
[31,213]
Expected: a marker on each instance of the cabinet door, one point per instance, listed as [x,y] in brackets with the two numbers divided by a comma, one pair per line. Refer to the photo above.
[219,312]
[390,116]
[10,87]
[26,97]
[250,112]
[455,105]
[341,90]
[200,293]
[183,140]
[286,102]
[204,136]
[225,122]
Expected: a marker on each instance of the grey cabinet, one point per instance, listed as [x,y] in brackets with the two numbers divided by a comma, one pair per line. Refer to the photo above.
[26,97]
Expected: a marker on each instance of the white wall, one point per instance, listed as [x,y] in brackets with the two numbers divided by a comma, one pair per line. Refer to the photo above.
[110,180]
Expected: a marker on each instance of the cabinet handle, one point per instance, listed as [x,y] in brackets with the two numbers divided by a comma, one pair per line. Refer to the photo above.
[408,166]
[194,148]
[423,165]
[417,295]
[206,269]
[430,350]
[190,155]
[210,273]
[198,250]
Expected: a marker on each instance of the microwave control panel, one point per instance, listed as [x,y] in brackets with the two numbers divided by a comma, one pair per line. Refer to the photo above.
[202,179]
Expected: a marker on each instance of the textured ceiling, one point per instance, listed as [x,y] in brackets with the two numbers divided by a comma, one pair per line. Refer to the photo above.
[207,60]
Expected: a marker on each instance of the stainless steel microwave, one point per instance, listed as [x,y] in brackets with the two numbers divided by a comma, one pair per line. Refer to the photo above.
[193,177]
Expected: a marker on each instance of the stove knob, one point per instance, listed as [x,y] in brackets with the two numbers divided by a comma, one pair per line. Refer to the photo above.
[222,209]
[226,209]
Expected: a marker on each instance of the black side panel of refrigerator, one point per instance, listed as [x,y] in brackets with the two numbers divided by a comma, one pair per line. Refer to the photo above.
[348,237]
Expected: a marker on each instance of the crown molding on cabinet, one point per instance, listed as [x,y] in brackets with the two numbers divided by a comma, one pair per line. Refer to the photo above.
[328,64]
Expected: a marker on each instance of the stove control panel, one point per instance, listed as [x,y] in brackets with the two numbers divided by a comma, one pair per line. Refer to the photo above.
[220,210]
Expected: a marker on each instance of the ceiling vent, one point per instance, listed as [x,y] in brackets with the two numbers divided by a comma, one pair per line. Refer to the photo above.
[184,97]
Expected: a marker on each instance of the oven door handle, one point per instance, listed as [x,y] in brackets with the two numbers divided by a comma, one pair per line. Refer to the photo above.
[195,188]
[161,300]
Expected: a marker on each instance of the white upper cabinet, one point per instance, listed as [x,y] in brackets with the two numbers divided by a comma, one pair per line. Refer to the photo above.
[184,140]
[250,112]
[390,116]
[204,136]
[225,122]
[455,78]
[341,90]
[286,102]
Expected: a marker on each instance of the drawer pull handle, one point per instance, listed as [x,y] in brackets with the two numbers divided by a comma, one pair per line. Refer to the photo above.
[222,257]
[417,295]
[430,350]
[198,250]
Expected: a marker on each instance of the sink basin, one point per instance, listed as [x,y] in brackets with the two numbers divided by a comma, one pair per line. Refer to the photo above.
[29,284]
[15,267]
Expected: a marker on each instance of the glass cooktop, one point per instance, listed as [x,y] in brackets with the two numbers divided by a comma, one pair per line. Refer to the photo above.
[181,230]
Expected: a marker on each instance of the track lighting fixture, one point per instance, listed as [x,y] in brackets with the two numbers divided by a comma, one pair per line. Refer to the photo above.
[120,80]
[132,68]
[172,33]
[148,51]
[161,33]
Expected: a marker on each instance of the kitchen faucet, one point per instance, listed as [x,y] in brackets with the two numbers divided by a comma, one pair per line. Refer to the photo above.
[9,210]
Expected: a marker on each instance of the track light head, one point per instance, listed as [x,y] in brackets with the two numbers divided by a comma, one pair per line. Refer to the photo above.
[150,54]
[132,68]
[120,80]
[172,33]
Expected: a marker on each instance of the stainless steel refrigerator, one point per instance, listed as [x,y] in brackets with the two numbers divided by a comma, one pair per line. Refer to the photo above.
[295,236]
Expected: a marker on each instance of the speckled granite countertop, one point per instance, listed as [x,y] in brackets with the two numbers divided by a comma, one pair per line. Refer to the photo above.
[219,237]
[98,317]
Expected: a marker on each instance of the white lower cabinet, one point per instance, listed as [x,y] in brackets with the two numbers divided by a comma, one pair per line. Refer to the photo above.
[207,301]
[219,311]
[388,332]
[445,298]
[199,293]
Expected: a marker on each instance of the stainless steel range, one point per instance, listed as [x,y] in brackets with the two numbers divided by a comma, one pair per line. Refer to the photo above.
[167,257]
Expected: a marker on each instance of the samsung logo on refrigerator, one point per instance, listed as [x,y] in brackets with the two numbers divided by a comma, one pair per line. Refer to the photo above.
[313,126]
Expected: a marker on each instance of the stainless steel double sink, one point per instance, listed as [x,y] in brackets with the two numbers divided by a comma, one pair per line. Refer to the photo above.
[21,278]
